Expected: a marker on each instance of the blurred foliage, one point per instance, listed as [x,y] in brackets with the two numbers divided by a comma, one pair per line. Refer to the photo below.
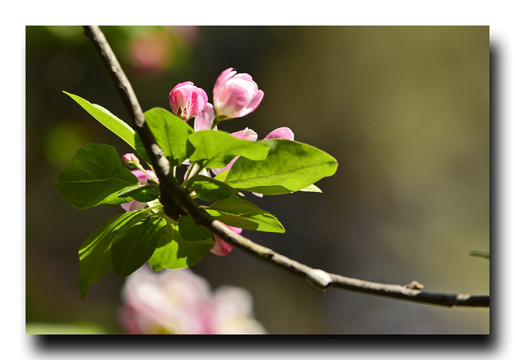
[405,110]
[64,329]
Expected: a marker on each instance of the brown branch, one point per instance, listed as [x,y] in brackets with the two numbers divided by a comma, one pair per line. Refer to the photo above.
[176,202]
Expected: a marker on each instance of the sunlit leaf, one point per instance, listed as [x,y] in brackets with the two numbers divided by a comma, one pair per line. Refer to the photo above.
[243,214]
[95,176]
[171,134]
[215,149]
[290,166]
[106,118]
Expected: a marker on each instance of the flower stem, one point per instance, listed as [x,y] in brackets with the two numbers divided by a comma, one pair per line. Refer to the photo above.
[192,170]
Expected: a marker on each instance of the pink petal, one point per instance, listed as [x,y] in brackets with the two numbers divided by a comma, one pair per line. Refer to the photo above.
[281,133]
[133,205]
[205,119]
[142,177]
[233,98]
[246,134]
[222,78]
[226,167]
[244,76]
[197,103]
[253,104]
[181,85]
[220,247]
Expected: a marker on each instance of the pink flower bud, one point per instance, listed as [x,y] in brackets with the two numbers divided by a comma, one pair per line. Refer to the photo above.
[221,248]
[187,101]
[143,179]
[235,95]
[131,160]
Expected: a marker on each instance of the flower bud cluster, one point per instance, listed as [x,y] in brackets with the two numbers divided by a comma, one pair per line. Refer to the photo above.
[234,96]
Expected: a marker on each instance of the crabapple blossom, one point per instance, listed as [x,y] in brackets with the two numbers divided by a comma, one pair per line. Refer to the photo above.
[235,95]
[187,101]
[181,302]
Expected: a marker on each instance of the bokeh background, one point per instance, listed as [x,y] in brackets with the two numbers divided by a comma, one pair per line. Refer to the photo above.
[404,110]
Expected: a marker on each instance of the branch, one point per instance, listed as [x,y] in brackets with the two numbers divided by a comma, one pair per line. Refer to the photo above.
[177,202]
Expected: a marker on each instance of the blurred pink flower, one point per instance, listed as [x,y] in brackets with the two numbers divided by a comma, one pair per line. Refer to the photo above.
[221,248]
[187,101]
[235,95]
[180,302]
[143,180]
[188,34]
[151,51]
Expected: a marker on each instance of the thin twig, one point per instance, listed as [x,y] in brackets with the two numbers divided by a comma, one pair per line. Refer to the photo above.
[176,201]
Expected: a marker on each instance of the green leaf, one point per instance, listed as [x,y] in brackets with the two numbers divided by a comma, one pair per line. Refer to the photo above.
[95,251]
[173,252]
[132,248]
[95,176]
[311,188]
[243,214]
[141,152]
[143,193]
[106,118]
[210,189]
[290,166]
[171,134]
[189,229]
[215,149]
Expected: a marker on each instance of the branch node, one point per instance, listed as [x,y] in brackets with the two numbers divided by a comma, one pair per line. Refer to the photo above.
[414,285]
[318,279]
